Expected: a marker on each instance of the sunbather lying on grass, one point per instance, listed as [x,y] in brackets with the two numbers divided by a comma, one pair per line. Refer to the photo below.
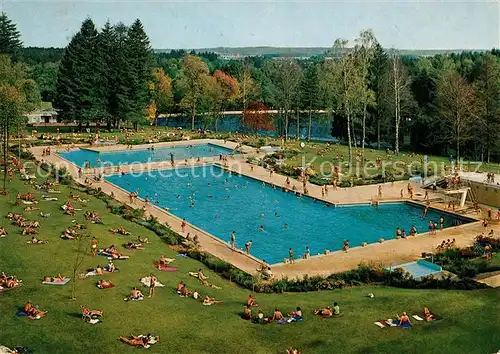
[29,231]
[91,313]
[58,278]
[9,281]
[120,231]
[404,320]
[36,241]
[202,277]
[141,340]
[326,312]
[210,301]
[32,311]
[135,295]
[3,233]
[134,246]
[104,284]
[30,208]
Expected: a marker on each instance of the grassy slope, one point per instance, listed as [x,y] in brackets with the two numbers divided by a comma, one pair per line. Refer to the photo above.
[471,318]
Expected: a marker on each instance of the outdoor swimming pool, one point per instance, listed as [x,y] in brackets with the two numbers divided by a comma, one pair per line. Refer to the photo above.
[121,157]
[420,268]
[224,203]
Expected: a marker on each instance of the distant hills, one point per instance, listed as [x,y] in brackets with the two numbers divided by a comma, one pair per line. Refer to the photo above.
[308,51]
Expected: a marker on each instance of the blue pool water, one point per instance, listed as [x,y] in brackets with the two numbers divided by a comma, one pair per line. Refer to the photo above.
[224,203]
[114,158]
[420,268]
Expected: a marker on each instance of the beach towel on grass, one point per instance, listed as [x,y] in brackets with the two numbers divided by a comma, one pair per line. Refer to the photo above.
[388,323]
[164,267]
[421,317]
[64,282]
[181,255]
[147,282]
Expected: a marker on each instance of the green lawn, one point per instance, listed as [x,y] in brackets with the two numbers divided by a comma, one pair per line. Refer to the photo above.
[470,322]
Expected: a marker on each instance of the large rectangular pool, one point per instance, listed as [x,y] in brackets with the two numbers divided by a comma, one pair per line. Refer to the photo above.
[220,203]
[142,155]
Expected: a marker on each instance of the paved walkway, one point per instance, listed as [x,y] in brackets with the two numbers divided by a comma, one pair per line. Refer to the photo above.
[390,252]
[491,279]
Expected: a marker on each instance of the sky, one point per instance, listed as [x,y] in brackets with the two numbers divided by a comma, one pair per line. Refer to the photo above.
[402,24]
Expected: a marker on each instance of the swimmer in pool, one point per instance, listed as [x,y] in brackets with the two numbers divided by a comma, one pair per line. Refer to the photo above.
[261,228]
[276,214]
[285,226]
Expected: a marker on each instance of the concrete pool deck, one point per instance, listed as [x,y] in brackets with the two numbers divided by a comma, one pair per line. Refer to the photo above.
[390,252]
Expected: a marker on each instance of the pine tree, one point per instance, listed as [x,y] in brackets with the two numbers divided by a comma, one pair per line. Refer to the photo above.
[310,92]
[9,36]
[140,57]
[78,91]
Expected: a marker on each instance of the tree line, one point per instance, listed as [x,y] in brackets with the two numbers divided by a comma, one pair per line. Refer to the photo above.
[444,104]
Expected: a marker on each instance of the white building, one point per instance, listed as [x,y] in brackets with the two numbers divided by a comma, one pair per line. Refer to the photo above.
[42,116]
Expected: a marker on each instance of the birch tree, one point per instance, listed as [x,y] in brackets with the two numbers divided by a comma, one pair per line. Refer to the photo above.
[365,50]
[457,107]
[399,84]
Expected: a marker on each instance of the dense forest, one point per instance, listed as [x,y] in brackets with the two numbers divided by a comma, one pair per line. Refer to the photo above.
[442,104]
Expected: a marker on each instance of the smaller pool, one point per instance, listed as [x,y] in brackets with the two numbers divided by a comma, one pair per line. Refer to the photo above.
[143,155]
[420,268]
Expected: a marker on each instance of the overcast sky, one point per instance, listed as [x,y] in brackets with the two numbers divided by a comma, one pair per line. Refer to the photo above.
[402,24]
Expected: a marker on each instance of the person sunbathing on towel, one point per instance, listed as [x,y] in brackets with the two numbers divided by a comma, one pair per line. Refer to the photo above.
[134,246]
[326,312]
[296,314]
[184,292]
[30,208]
[137,341]
[29,231]
[104,284]
[251,301]
[91,313]
[135,294]
[277,315]
[36,241]
[32,311]
[163,260]
[111,267]
[293,351]
[3,233]
[121,230]
[428,315]
[69,234]
[179,287]
[142,240]
[98,270]
[210,301]
[403,320]
[247,313]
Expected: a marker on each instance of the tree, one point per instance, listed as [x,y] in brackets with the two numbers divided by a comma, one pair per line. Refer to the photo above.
[487,85]
[365,45]
[78,88]
[310,92]
[456,101]
[119,97]
[11,104]
[193,80]
[342,86]
[140,58]
[257,117]
[399,84]
[227,92]
[163,96]
[10,42]
[378,85]
[286,77]
[18,95]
